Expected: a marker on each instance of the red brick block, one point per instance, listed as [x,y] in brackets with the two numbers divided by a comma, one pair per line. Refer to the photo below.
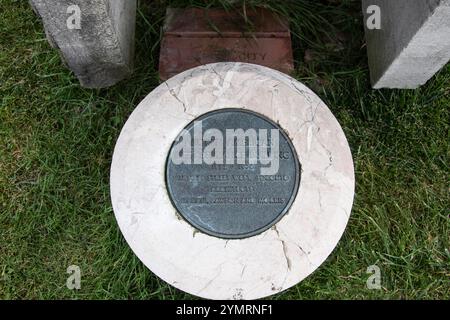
[194,37]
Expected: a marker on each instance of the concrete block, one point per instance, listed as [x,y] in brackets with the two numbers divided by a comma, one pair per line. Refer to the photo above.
[100,50]
[412,44]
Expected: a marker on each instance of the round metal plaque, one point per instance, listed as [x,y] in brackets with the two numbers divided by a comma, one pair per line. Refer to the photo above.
[232,173]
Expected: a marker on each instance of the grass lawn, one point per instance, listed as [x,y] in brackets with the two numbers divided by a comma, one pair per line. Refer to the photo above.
[57,139]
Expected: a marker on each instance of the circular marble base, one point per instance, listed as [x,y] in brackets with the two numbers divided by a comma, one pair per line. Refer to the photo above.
[209,266]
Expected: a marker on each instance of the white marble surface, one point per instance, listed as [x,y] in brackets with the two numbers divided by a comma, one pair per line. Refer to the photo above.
[215,268]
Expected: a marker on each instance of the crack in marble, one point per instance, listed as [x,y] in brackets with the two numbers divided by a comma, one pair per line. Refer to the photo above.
[175,95]
[306,254]
[302,92]
[309,121]
[214,71]
[284,247]
[288,261]
[243,270]
[303,251]
[329,154]
[213,279]
[226,81]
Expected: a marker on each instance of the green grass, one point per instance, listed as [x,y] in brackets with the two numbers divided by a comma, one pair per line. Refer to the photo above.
[56,142]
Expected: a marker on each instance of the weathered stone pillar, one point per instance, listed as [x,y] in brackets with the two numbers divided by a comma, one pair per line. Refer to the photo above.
[95,37]
[412,44]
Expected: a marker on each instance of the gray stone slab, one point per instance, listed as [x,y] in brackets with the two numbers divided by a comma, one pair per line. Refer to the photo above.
[412,44]
[101,51]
